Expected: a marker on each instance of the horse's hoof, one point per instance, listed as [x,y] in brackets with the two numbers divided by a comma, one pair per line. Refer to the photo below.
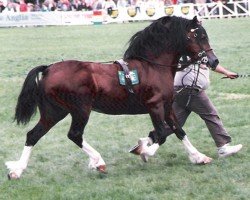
[207,160]
[102,169]
[12,176]
[144,157]
[136,150]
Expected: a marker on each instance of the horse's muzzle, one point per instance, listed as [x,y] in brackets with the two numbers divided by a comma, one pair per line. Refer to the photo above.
[213,63]
[212,60]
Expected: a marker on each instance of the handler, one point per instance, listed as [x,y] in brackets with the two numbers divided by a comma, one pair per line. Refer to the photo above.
[190,96]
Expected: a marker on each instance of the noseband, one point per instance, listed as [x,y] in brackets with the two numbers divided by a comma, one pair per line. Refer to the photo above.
[202,56]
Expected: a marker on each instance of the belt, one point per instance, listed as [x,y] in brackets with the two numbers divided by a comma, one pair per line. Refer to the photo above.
[187,87]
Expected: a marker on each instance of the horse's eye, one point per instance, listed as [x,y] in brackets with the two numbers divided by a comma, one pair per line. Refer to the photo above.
[188,38]
[195,35]
[204,37]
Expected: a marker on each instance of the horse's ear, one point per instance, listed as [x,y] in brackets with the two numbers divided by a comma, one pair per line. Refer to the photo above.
[195,20]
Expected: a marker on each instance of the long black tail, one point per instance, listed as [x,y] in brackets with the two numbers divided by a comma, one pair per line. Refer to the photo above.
[28,98]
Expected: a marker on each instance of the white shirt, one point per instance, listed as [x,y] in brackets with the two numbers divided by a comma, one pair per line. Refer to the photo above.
[191,76]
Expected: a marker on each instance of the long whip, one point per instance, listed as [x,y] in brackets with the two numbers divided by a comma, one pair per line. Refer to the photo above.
[238,76]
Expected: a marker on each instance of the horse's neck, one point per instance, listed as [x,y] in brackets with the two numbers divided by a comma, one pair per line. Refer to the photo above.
[169,60]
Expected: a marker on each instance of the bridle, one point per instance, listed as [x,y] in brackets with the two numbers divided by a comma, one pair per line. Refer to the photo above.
[202,55]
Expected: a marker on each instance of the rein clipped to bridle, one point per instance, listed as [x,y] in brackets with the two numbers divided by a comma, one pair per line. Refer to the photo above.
[180,66]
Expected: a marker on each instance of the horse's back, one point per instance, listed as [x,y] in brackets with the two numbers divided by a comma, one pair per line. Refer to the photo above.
[67,73]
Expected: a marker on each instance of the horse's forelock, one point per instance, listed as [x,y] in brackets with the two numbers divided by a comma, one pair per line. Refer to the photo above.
[202,31]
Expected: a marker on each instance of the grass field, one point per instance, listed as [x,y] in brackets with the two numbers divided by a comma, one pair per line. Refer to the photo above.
[58,169]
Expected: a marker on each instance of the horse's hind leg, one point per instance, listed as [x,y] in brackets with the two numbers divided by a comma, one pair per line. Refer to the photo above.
[47,120]
[79,120]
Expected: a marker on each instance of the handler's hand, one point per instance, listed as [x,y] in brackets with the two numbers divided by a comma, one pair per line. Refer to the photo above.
[231,75]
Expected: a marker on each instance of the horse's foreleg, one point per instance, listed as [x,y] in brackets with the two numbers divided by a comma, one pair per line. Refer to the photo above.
[194,155]
[145,148]
[148,146]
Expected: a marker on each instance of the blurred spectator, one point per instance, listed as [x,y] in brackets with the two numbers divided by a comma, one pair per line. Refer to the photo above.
[109,5]
[44,8]
[122,3]
[139,4]
[97,5]
[63,5]
[12,6]
[37,7]
[49,5]
[191,1]
[168,2]
[89,4]
[23,6]
[151,3]
[2,5]
[30,7]
[131,2]
[200,1]
[78,5]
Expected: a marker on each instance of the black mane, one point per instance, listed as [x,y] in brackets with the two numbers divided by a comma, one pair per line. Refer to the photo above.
[166,34]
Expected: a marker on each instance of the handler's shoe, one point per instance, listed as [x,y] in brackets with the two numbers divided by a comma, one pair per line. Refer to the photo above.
[227,150]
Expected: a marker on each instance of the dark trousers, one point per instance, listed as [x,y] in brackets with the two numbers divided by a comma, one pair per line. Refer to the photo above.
[193,100]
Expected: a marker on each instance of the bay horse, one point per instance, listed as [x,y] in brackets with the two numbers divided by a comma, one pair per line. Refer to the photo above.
[77,87]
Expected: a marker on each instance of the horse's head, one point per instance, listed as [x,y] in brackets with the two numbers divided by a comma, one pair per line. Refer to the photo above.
[172,36]
[198,47]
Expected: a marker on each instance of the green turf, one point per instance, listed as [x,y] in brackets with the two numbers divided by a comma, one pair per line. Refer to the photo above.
[58,169]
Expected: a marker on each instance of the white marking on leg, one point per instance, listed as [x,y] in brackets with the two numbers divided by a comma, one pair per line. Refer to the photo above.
[188,146]
[26,156]
[145,141]
[151,150]
[95,159]
[17,167]
[148,151]
[194,155]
